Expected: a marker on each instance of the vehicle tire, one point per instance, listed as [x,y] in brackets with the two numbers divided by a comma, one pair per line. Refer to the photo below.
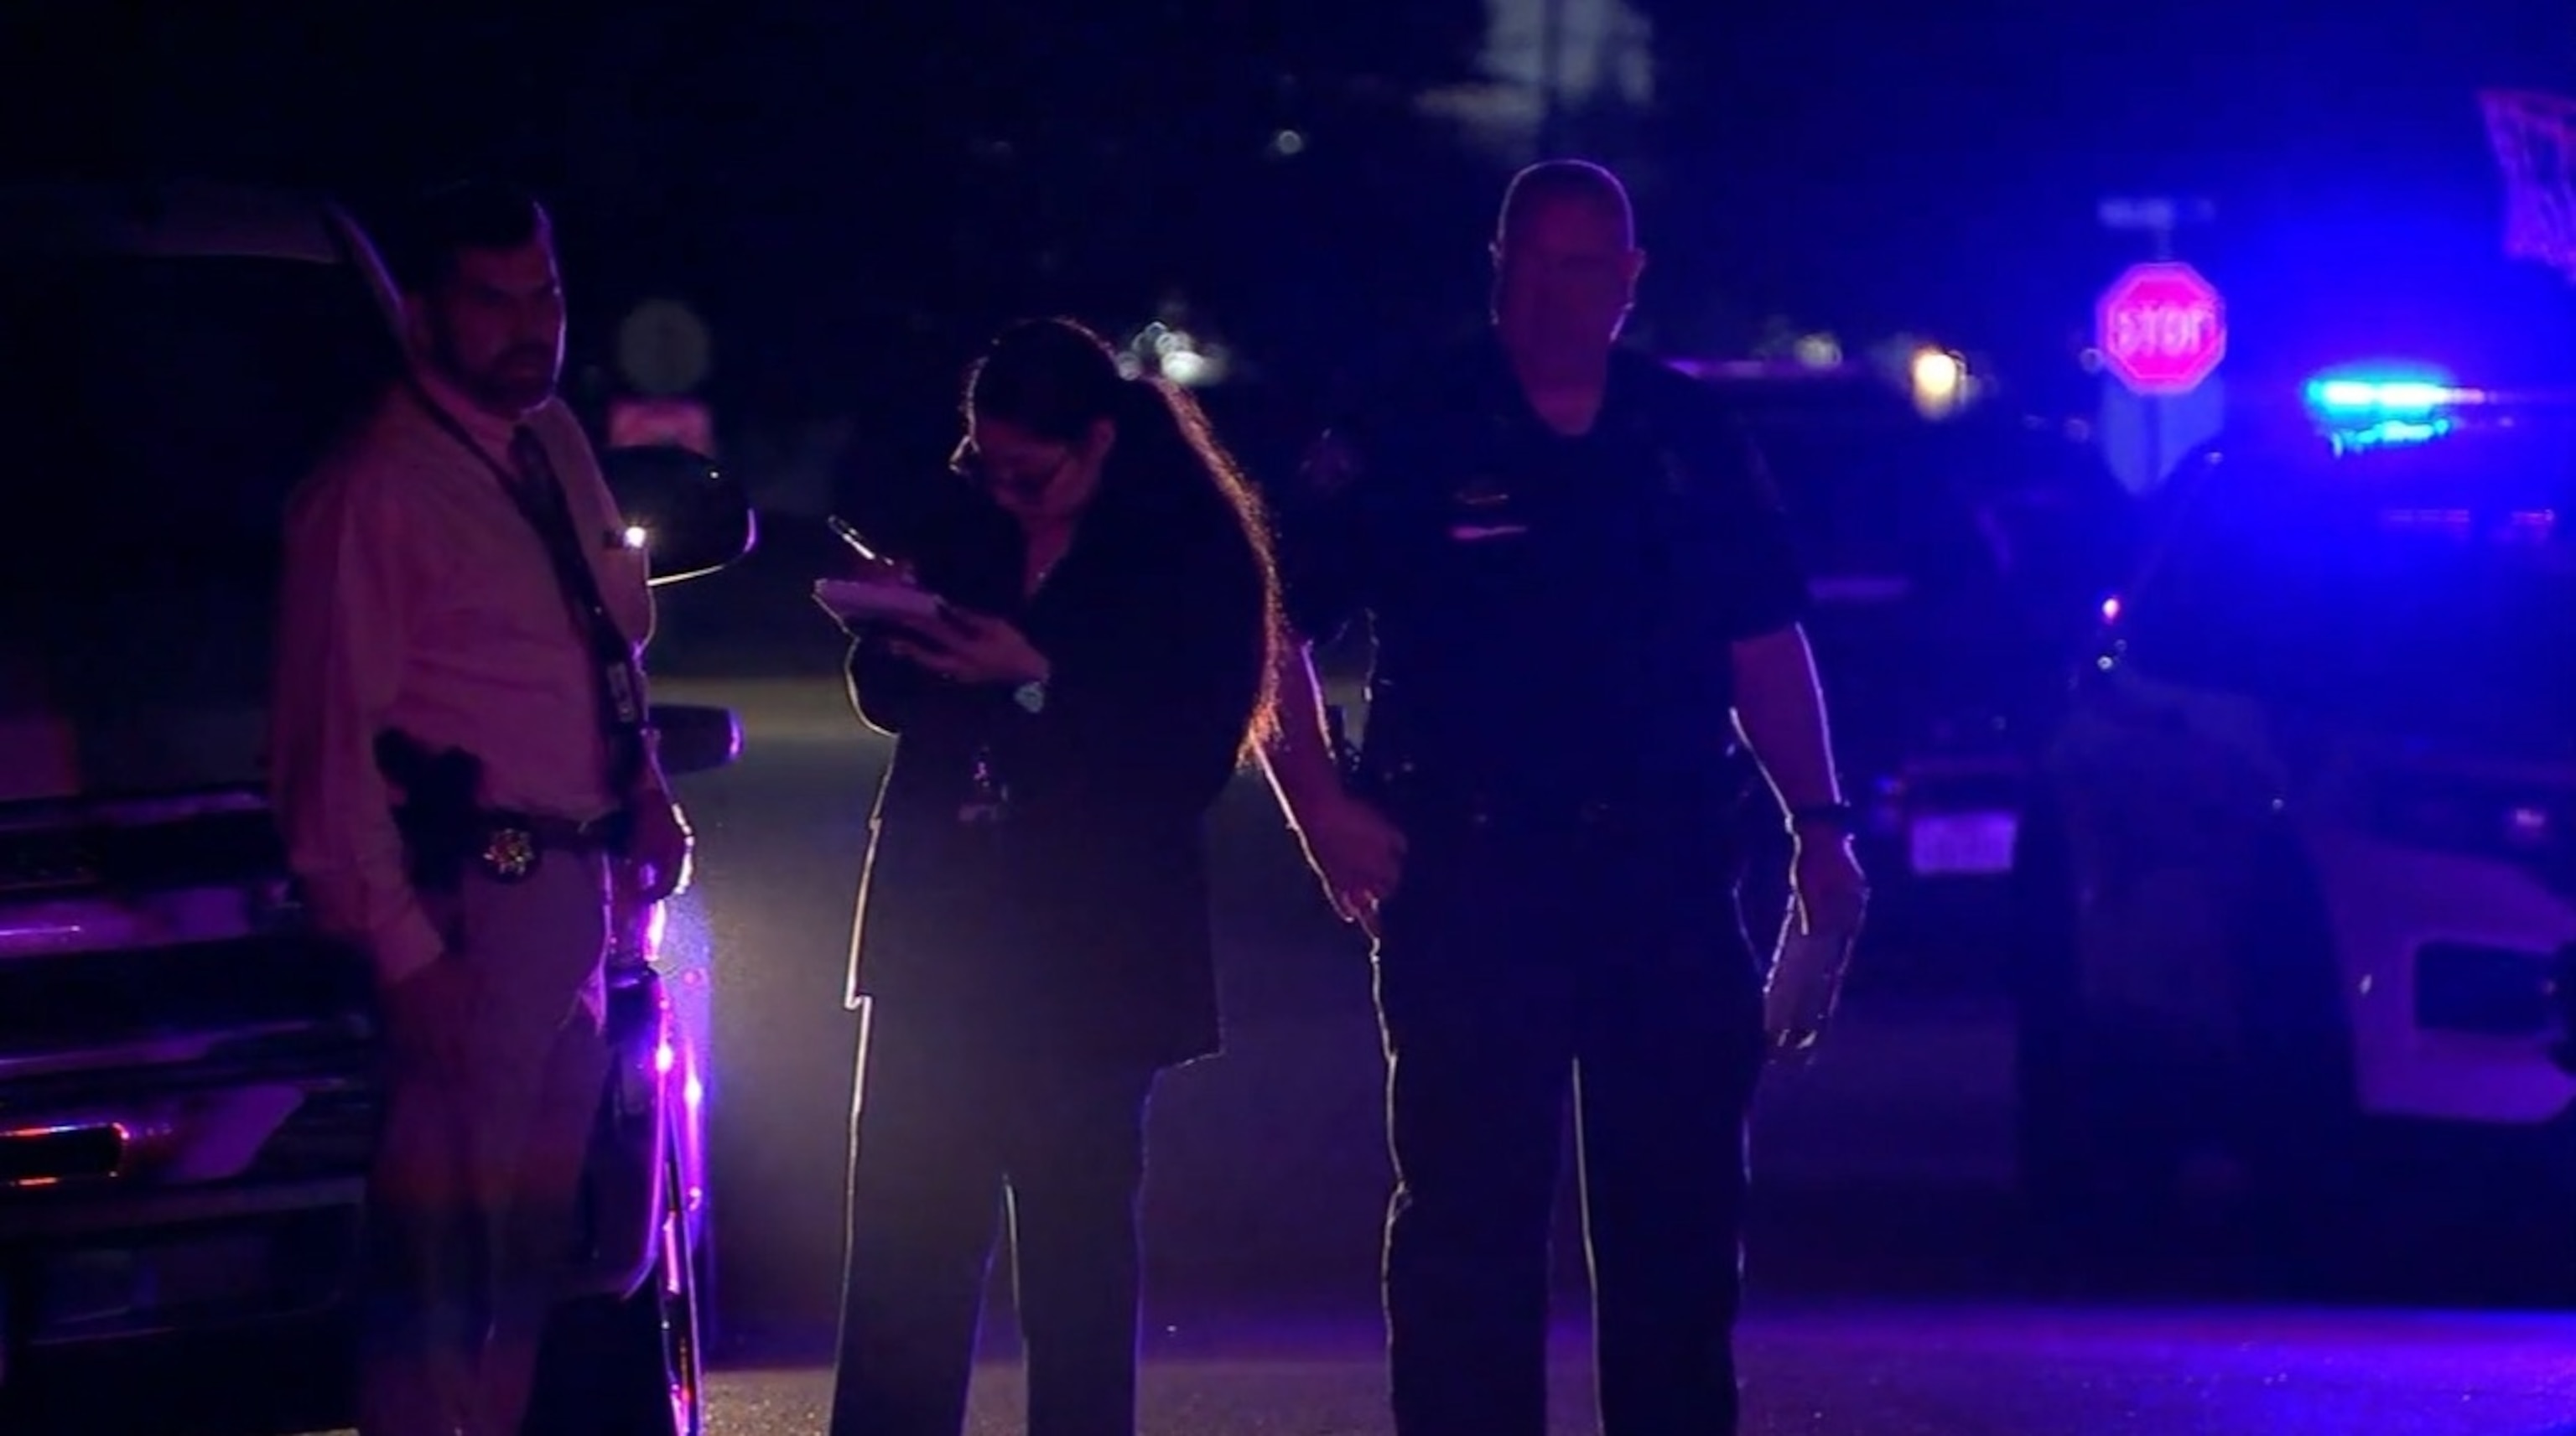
[631,1366]
[2100,1122]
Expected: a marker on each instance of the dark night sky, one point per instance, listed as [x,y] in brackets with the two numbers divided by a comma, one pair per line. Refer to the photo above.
[807,171]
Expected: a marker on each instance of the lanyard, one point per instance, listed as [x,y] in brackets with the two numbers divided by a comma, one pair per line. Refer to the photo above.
[621,680]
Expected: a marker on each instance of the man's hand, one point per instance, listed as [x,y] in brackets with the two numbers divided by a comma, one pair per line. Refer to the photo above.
[659,852]
[1832,894]
[428,1013]
[1356,853]
[966,647]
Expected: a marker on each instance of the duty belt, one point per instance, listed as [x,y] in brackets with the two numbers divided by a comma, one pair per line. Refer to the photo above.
[513,844]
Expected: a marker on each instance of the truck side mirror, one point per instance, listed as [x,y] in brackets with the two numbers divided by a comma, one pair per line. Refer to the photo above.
[690,517]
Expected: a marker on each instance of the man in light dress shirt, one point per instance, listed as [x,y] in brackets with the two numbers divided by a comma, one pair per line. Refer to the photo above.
[430,596]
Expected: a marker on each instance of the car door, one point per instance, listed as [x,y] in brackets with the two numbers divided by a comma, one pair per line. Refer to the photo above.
[2168,775]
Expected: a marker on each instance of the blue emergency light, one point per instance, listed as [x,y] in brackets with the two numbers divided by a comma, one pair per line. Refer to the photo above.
[2362,410]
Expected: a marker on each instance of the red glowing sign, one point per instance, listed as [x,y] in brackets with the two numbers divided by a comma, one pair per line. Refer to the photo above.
[2161,328]
[652,423]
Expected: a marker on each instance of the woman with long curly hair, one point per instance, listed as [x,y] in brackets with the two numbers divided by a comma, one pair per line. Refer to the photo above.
[1034,943]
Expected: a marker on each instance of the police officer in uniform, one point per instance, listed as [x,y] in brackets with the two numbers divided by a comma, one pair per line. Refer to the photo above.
[1576,574]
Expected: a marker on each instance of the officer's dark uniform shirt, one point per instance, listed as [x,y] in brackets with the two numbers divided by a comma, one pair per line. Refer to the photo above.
[1553,615]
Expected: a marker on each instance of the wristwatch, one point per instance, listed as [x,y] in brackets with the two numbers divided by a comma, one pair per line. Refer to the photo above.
[1031,696]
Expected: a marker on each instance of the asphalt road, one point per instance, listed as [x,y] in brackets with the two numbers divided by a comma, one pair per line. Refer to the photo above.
[1894,1289]
[1894,1292]
[1942,1370]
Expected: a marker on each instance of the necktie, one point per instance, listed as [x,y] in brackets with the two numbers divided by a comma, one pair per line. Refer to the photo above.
[540,491]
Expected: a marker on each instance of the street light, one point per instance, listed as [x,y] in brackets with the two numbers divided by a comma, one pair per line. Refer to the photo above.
[1940,382]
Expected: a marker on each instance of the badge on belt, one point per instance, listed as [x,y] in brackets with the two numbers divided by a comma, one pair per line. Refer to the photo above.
[509,853]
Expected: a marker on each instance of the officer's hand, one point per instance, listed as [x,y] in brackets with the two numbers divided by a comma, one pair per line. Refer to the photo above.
[1831,891]
[1358,856]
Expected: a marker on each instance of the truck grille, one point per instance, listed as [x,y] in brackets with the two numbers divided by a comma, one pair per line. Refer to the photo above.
[74,856]
[151,1024]
[333,1134]
[69,1000]
[46,862]
[85,1031]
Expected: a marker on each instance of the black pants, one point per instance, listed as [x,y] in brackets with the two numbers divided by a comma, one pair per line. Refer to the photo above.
[1516,967]
[945,1126]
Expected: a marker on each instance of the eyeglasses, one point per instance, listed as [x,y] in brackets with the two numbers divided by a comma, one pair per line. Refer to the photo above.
[976,467]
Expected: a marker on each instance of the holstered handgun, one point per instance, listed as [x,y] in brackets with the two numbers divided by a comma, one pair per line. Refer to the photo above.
[436,814]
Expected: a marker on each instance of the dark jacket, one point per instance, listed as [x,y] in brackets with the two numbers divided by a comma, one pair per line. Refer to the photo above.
[1079,923]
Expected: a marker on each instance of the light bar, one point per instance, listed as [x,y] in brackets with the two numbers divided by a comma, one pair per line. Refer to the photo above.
[2384,398]
[2360,410]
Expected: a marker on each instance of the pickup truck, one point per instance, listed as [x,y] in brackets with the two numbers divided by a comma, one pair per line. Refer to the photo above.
[189,1077]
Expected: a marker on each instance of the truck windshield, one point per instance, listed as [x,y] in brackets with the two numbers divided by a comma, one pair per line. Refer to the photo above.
[159,411]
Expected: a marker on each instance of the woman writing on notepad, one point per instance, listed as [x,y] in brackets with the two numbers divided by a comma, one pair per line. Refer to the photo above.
[1033,941]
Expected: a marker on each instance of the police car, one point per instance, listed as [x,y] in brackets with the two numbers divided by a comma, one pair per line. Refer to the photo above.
[2299,871]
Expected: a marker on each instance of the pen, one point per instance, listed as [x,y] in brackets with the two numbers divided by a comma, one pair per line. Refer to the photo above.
[850,536]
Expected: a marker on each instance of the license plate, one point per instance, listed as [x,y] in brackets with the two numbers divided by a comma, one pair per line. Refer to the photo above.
[1962,844]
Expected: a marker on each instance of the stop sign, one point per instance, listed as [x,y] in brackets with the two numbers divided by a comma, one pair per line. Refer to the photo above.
[2161,328]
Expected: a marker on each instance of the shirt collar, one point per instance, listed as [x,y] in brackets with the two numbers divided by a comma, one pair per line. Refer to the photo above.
[485,428]
[1500,394]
